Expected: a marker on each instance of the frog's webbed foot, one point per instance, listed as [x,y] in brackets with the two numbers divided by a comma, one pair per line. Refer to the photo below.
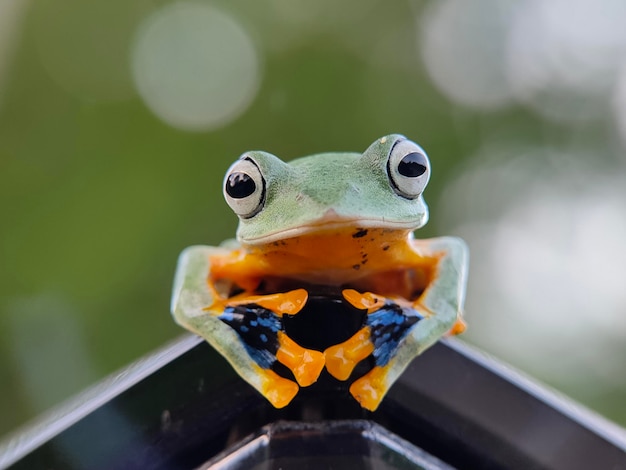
[386,326]
[389,326]
[258,330]
[342,358]
[258,322]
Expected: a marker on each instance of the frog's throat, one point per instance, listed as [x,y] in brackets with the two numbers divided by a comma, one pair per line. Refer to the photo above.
[378,260]
[325,226]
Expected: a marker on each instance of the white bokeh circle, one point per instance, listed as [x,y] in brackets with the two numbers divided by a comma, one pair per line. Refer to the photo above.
[564,55]
[546,233]
[463,45]
[195,66]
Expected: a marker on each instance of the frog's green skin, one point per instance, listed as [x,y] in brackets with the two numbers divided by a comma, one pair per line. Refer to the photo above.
[335,219]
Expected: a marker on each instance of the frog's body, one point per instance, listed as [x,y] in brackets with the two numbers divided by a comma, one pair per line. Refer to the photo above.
[340,221]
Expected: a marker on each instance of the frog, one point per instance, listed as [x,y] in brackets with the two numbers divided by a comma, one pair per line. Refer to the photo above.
[340,222]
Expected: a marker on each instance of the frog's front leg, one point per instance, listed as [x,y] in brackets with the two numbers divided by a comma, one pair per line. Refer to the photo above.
[435,312]
[246,330]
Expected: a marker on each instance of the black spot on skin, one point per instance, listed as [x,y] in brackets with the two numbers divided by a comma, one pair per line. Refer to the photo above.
[364,261]
[356,267]
[359,233]
[416,294]
[363,255]
[385,248]
[235,290]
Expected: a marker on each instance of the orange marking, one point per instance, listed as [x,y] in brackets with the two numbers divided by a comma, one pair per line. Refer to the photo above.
[459,327]
[238,267]
[278,390]
[370,389]
[288,303]
[341,359]
[363,301]
[306,364]
[347,258]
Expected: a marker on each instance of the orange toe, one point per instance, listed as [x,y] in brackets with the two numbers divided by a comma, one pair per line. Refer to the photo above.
[459,327]
[370,389]
[278,390]
[341,359]
[306,364]
[363,301]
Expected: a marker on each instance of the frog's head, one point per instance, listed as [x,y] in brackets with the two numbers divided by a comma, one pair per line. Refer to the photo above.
[381,188]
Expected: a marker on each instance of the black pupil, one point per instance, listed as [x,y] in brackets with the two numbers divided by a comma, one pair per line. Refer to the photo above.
[412,165]
[240,185]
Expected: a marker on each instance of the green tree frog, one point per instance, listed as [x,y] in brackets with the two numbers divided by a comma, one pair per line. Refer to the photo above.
[337,226]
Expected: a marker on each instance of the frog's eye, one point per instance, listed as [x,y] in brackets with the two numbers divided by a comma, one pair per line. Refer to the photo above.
[408,169]
[244,188]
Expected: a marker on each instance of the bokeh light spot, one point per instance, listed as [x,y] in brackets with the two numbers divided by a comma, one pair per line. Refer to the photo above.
[463,47]
[548,264]
[11,13]
[195,66]
[564,56]
[619,104]
[48,343]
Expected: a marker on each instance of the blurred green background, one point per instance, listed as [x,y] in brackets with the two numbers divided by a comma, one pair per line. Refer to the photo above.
[118,119]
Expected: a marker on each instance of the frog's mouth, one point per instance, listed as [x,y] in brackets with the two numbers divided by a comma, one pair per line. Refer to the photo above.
[333,223]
